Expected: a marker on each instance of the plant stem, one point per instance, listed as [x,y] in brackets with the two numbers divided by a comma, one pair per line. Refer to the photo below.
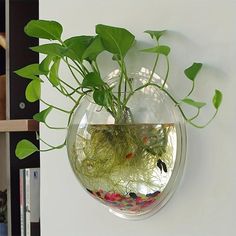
[126,75]
[74,90]
[73,109]
[123,74]
[52,148]
[49,145]
[82,66]
[51,127]
[119,93]
[167,72]
[153,69]
[194,117]
[78,68]
[170,96]
[96,65]
[125,91]
[63,88]
[193,85]
[182,112]
[69,95]
[189,120]
[203,126]
[93,67]
[128,97]
[112,105]
[65,93]
[57,108]
[72,72]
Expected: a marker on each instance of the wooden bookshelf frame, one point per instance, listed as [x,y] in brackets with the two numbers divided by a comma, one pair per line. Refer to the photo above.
[19,111]
[18,125]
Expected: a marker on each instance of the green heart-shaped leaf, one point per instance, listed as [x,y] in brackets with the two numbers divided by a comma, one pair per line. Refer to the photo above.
[155,34]
[25,148]
[114,39]
[53,74]
[42,115]
[162,49]
[44,29]
[92,80]
[44,66]
[77,46]
[217,99]
[101,97]
[93,50]
[52,49]
[193,103]
[30,71]
[192,71]
[33,91]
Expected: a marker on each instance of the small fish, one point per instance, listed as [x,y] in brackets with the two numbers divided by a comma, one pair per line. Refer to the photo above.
[133,195]
[153,194]
[129,155]
[145,139]
[159,165]
[162,165]
[89,191]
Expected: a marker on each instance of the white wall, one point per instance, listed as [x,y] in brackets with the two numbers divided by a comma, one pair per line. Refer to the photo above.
[204,204]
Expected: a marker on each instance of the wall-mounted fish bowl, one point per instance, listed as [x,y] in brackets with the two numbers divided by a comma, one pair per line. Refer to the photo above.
[126,139]
[132,166]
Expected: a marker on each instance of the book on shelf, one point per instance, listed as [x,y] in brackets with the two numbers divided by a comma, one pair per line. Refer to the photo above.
[22,202]
[30,201]
[3,40]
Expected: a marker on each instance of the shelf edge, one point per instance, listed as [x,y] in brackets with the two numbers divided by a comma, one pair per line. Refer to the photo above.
[18,125]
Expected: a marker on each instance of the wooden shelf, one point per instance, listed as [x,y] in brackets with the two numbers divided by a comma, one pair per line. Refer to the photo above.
[2,97]
[18,125]
[13,17]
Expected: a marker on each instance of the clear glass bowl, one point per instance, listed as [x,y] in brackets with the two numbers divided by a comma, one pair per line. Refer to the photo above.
[132,167]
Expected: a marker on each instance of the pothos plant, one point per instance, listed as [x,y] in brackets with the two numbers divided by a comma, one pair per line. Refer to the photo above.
[79,54]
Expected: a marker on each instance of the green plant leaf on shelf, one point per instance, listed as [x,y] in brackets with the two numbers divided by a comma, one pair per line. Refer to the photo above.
[52,49]
[193,103]
[162,49]
[44,29]
[44,66]
[42,115]
[53,74]
[33,91]
[114,39]
[29,72]
[192,71]
[92,80]
[25,148]
[93,50]
[77,46]
[217,99]
[155,34]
